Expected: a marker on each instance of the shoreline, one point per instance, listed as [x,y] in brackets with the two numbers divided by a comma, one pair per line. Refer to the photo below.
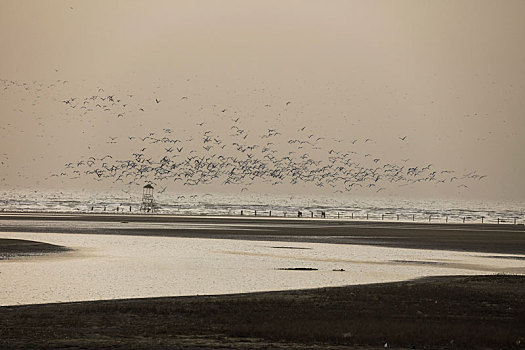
[334,215]
[69,215]
[487,238]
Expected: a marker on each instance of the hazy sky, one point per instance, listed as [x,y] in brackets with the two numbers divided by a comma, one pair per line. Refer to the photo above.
[426,82]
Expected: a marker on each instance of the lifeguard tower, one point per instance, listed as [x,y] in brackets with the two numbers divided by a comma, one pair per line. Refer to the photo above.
[148,204]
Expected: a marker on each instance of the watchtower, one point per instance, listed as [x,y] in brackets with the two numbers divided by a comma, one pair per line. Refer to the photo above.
[148,202]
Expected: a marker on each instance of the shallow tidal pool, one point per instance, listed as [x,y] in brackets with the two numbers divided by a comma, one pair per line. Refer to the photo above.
[117,267]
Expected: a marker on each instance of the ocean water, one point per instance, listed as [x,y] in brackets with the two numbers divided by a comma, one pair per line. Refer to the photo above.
[355,208]
[115,267]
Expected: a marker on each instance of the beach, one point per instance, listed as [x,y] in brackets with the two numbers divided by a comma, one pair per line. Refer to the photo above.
[433,312]
[494,238]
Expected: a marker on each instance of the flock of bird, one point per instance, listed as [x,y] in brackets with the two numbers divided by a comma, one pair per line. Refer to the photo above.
[240,158]
[235,155]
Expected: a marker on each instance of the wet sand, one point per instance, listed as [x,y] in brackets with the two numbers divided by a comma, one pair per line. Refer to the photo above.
[19,247]
[503,238]
[435,312]
[454,312]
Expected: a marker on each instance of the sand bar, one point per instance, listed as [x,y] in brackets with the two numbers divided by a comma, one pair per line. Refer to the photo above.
[503,238]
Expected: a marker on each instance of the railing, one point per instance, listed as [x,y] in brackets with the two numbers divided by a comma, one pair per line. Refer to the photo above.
[389,217]
[372,216]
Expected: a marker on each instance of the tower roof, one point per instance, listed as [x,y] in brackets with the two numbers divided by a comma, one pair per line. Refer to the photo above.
[148,186]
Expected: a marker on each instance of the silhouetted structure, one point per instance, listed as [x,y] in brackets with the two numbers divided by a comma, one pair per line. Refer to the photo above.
[148,202]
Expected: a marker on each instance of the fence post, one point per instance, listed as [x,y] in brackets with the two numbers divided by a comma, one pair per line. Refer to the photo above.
[413,217]
[338,215]
[382,217]
[270,213]
[352,215]
[498,221]
[446,219]
[312,214]
[482,219]
[367,216]
[463,219]
[255,212]
[397,217]
[429,217]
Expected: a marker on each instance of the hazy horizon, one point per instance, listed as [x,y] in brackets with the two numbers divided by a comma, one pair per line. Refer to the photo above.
[360,98]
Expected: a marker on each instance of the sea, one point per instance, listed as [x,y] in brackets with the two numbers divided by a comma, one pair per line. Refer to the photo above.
[307,206]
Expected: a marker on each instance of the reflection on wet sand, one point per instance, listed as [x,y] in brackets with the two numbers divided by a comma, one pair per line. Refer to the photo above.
[120,266]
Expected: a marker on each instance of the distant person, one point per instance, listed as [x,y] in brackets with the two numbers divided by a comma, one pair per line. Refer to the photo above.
[299,214]
[323,214]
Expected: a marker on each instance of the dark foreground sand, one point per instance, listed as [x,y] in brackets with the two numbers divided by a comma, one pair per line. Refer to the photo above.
[18,247]
[444,312]
[439,312]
